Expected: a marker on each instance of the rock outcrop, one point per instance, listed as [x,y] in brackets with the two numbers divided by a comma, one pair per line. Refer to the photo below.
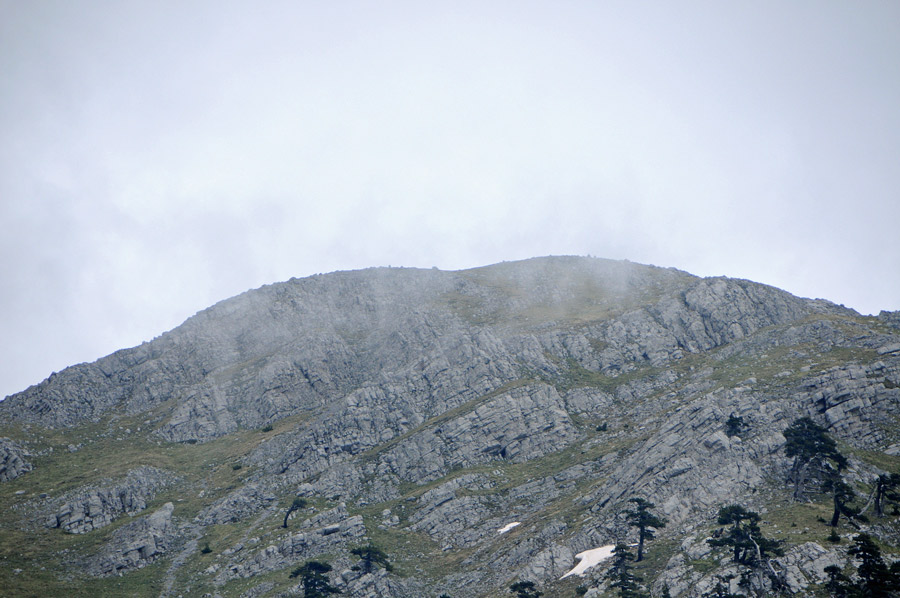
[95,507]
[12,460]
[136,544]
[328,532]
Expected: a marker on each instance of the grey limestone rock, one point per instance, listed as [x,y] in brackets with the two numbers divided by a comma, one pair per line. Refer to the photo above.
[804,565]
[517,425]
[12,460]
[136,544]
[94,507]
[854,400]
[691,462]
[238,505]
[329,531]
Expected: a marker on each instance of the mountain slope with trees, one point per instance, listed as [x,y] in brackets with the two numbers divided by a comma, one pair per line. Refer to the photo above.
[369,433]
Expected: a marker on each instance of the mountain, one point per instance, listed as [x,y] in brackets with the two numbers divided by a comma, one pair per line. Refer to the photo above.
[424,411]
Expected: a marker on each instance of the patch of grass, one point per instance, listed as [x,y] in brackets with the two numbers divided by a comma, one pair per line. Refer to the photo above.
[577,376]
[796,523]
[656,555]
[704,566]
[889,463]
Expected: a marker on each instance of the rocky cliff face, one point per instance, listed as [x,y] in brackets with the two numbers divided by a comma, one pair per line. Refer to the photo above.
[424,411]
[12,460]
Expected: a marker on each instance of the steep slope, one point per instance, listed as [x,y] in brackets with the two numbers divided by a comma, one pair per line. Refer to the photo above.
[425,410]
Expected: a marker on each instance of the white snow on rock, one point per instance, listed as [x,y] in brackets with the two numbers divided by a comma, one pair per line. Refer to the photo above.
[508,527]
[589,558]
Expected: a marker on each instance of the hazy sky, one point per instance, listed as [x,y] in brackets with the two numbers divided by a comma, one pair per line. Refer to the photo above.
[159,156]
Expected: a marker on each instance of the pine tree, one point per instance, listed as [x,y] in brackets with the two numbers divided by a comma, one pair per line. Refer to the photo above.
[749,547]
[525,589]
[814,453]
[371,555]
[886,492]
[838,584]
[876,580]
[299,503]
[735,426]
[313,580]
[645,521]
[841,495]
[621,573]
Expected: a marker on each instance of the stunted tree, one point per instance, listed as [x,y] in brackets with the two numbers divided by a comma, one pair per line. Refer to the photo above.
[313,579]
[370,556]
[735,426]
[876,580]
[525,589]
[815,455]
[885,492]
[838,584]
[621,573]
[645,521]
[841,495]
[748,545]
[737,537]
[299,503]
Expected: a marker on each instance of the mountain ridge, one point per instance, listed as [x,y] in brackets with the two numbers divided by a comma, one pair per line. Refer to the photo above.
[452,401]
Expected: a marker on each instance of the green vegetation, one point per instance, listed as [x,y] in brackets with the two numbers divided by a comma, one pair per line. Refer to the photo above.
[577,376]
[749,547]
[525,589]
[370,556]
[297,504]
[621,574]
[313,580]
[874,579]
[645,521]
[735,426]
[815,455]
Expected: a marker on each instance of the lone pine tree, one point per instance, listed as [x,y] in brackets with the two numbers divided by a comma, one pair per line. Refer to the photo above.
[815,455]
[299,503]
[313,579]
[645,521]
[371,555]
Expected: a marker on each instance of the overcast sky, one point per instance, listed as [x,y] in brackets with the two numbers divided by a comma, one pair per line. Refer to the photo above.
[159,156]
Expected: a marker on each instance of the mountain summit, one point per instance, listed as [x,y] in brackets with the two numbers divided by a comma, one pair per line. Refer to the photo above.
[422,433]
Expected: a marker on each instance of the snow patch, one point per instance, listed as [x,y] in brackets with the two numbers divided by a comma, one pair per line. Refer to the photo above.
[508,527]
[589,558]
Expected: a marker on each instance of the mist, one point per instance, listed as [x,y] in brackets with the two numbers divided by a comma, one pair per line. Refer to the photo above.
[157,159]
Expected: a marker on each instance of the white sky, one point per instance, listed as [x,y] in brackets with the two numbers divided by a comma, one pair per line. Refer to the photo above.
[156,157]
